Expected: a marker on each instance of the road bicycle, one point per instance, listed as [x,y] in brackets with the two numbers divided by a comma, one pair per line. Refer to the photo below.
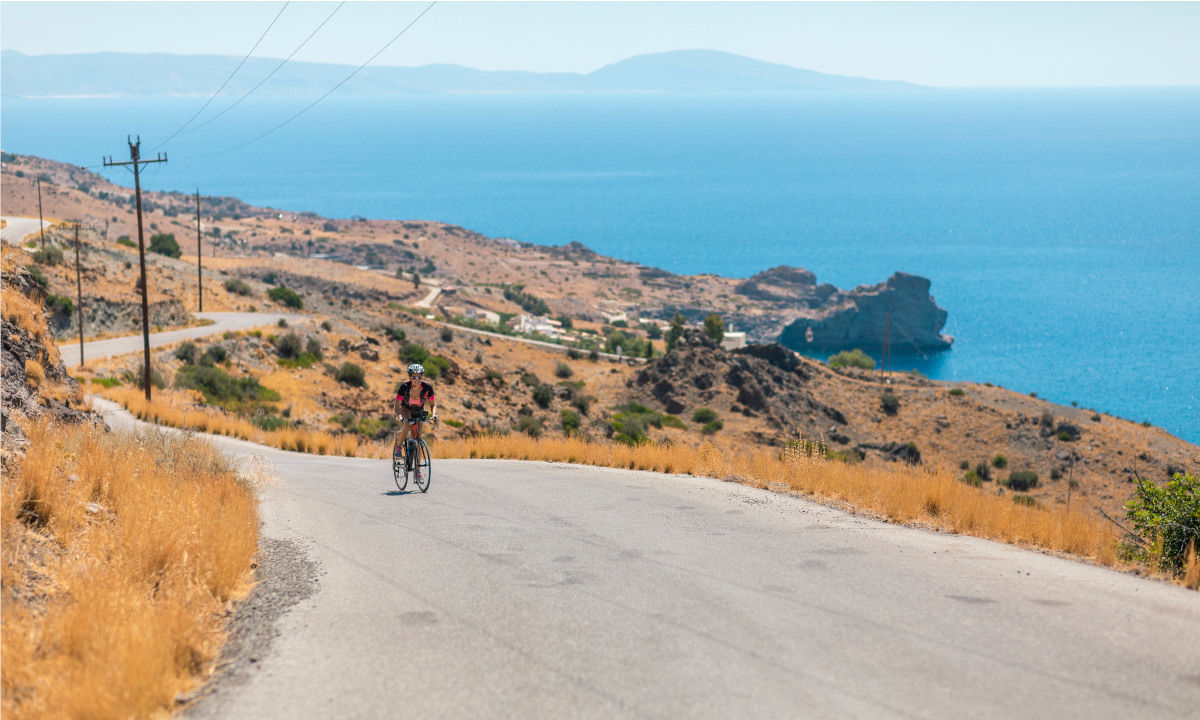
[412,459]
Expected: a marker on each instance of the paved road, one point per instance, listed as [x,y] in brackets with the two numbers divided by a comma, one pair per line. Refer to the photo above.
[540,590]
[18,228]
[97,349]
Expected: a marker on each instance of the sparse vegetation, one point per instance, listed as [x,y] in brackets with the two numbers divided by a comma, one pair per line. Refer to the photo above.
[999,461]
[285,296]
[164,244]
[124,240]
[543,395]
[957,392]
[563,370]
[1167,522]
[48,256]
[704,415]
[852,359]
[1022,480]
[889,403]
[714,327]
[237,286]
[351,374]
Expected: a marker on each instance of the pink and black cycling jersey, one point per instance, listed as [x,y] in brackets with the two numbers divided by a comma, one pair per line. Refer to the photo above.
[426,393]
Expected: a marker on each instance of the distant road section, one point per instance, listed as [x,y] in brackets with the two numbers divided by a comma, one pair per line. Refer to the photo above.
[222,322]
[17,229]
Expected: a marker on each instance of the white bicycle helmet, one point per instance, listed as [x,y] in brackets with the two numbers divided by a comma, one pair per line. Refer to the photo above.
[417,368]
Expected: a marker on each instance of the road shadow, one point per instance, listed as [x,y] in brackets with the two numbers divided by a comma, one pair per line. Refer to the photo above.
[397,493]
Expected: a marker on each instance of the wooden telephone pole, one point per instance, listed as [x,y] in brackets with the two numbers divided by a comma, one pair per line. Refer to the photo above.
[199,269]
[78,295]
[136,161]
[41,222]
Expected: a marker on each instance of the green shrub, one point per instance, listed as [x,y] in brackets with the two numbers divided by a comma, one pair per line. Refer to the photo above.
[1167,519]
[714,327]
[492,374]
[628,429]
[281,322]
[972,479]
[215,354]
[531,304]
[107,382]
[187,352]
[38,276]
[582,402]
[220,388]
[704,415]
[543,395]
[712,427]
[889,403]
[673,422]
[312,346]
[286,296]
[570,421]
[563,370]
[124,240]
[957,392]
[1022,480]
[531,426]
[447,335]
[530,379]
[289,346]
[999,462]
[1025,500]
[270,422]
[164,244]
[453,423]
[852,359]
[351,374]
[238,287]
[56,304]
[48,256]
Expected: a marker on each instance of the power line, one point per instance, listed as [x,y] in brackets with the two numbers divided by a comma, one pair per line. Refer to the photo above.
[331,90]
[272,73]
[235,71]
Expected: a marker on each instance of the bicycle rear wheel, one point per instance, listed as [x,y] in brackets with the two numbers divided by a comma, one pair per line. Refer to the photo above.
[424,464]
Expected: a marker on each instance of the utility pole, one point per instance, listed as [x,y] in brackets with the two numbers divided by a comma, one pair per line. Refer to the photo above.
[199,270]
[136,161]
[79,295]
[41,222]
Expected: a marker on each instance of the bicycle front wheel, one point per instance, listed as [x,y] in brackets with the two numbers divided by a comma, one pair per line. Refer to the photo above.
[424,464]
[398,471]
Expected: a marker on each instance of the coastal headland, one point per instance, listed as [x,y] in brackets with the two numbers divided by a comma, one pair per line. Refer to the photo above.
[379,294]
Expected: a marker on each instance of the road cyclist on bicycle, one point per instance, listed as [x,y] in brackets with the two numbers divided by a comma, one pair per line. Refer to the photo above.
[410,405]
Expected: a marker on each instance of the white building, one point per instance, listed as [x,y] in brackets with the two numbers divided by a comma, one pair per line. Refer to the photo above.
[733,340]
[474,313]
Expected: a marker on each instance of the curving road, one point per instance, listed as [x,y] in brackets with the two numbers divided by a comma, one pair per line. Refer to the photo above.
[222,322]
[544,590]
[16,229]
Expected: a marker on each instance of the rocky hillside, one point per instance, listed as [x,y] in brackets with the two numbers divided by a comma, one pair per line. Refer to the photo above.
[474,271]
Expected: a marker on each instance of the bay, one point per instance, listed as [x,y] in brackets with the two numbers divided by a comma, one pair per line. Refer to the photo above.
[1060,228]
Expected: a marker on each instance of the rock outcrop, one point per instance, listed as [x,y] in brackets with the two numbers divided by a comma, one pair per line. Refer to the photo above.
[900,311]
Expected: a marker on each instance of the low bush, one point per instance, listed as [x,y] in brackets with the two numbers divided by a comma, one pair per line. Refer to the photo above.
[704,415]
[214,355]
[59,305]
[220,388]
[312,346]
[187,352]
[999,462]
[237,286]
[582,402]
[712,427]
[530,379]
[543,395]
[673,422]
[164,244]
[570,420]
[38,276]
[289,346]
[447,335]
[531,426]
[852,359]
[957,392]
[124,240]
[285,296]
[1167,521]
[1022,480]
[972,479]
[351,374]
[563,370]
[889,403]
[1026,500]
[48,256]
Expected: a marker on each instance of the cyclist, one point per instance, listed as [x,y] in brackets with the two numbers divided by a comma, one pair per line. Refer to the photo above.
[411,397]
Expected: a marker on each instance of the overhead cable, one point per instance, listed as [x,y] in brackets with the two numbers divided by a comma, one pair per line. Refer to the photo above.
[334,88]
[272,73]
[235,70]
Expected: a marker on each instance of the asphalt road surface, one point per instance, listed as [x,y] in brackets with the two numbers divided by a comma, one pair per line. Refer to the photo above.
[521,590]
[17,229]
[222,321]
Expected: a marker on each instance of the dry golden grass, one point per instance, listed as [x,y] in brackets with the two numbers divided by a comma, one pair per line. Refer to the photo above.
[902,494]
[182,409]
[121,552]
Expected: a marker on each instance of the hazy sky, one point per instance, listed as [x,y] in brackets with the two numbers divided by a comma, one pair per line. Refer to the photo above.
[938,43]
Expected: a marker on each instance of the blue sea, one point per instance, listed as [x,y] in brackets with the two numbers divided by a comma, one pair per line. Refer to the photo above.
[1060,228]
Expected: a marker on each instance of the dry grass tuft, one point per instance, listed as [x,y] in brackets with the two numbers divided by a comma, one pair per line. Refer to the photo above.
[34,374]
[121,552]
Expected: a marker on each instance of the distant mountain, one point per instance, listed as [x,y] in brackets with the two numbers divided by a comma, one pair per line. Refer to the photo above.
[124,74]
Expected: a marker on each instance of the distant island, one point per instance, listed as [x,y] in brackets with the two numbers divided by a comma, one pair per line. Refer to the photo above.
[679,71]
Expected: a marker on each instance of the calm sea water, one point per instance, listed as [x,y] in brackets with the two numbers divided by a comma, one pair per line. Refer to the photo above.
[1061,229]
